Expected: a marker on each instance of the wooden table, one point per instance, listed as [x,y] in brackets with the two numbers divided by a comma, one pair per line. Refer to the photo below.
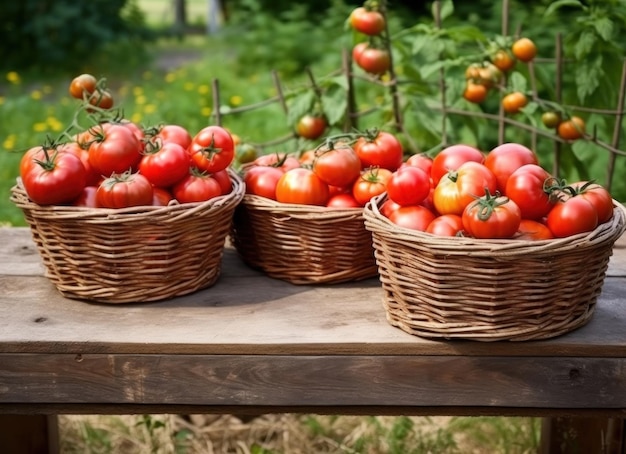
[252,344]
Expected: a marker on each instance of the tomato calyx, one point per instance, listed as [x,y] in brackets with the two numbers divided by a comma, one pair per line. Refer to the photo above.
[488,203]
[210,150]
[116,178]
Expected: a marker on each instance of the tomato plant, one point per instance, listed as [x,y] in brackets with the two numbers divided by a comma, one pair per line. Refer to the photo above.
[414,217]
[337,165]
[113,149]
[491,217]
[372,182]
[408,186]
[124,190]
[524,49]
[197,186]
[367,21]
[302,186]
[164,163]
[52,177]
[212,149]
[504,159]
[450,158]
[379,149]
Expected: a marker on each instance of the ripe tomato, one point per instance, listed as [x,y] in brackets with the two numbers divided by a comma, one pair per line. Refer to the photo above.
[283,161]
[87,198]
[462,186]
[84,84]
[262,180]
[408,186]
[387,207]
[530,230]
[212,149]
[450,158]
[381,149]
[571,129]
[420,160]
[114,149]
[343,200]
[513,102]
[524,49]
[197,186]
[373,60]
[414,217]
[301,186]
[164,164]
[489,75]
[526,186]
[311,126]
[93,178]
[53,178]
[357,50]
[102,99]
[338,166]
[503,60]
[491,217]
[372,182]
[161,197]
[173,133]
[572,215]
[599,197]
[446,225]
[367,21]
[223,178]
[505,159]
[551,119]
[124,190]
[475,93]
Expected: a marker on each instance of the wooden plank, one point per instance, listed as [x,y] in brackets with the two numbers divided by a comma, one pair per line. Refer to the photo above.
[293,381]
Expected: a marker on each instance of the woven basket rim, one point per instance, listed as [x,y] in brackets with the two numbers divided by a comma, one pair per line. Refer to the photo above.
[608,231]
[21,200]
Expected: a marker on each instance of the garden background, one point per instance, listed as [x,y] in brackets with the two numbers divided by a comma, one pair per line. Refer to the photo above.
[269,59]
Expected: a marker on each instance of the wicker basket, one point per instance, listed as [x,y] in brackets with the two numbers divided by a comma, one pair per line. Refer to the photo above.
[489,290]
[138,254]
[303,244]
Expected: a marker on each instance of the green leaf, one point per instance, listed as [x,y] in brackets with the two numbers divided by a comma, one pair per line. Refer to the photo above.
[517,82]
[561,3]
[604,27]
[446,10]
[588,78]
[584,44]
[334,103]
[300,105]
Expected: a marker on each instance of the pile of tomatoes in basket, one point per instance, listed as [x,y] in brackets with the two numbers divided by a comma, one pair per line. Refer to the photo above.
[117,163]
[343,172]
[504,193]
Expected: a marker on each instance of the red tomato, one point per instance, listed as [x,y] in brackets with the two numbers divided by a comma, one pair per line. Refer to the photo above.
[420,160]
[212,149]
[283,161]
[262,180]
[491,217]
[101,98]
[196,187]
[451,158]
[373,60]
[408,186]
[382,150]
[387,207]
[53,178]
[415,217]
[223,178]
[114,149]
[366,21]
[311,126]
[505,159]
[357,50]
[301,186]
[531,230]
[526,186]
[446,225]
[461,187]
[372,182]
[174,133]
[124,190]
[339,166]
[599,197]
[161,197]
[164,163]
[343,200]
[82,85]
[572,215]
[87,198]
[93,178]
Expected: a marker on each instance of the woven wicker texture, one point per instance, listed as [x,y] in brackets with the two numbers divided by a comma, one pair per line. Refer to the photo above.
[303,244]
[136,254]
[488,290]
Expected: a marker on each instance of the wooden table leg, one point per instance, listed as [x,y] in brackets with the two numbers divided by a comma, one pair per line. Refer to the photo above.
[29,434]
[583,436]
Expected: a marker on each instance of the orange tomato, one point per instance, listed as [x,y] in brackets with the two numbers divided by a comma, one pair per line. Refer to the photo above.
[475,93]
[571,129]
[503,60]
[513,102]
[524,49]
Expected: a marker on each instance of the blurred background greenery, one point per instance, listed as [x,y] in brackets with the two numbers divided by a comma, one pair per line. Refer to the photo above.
[162,66]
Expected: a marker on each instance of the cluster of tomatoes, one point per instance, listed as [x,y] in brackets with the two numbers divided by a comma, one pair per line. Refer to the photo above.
[117,164]
[502,194]
[120,164]
[372,55]
[343,172]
